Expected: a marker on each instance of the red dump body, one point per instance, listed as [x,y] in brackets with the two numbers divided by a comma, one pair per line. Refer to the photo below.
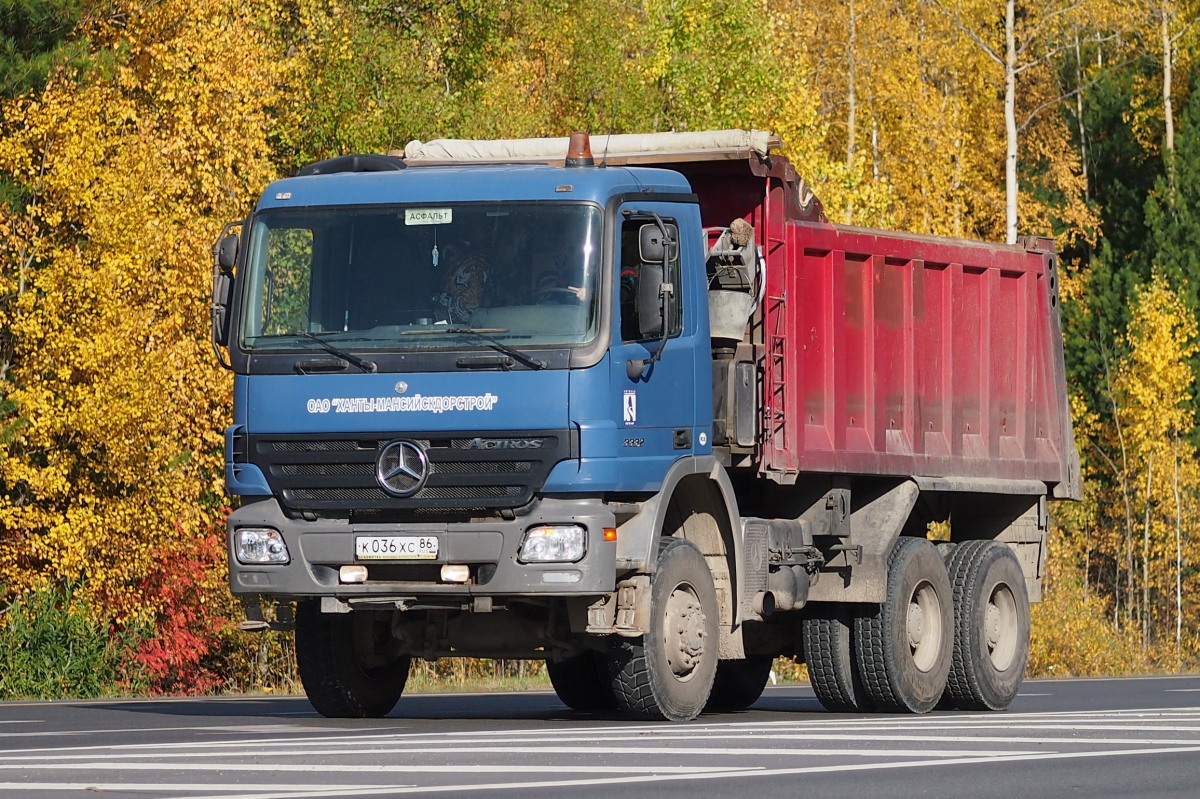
[904,355]
[894,354]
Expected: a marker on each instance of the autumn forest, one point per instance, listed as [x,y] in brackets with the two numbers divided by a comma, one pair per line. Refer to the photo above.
[132,130]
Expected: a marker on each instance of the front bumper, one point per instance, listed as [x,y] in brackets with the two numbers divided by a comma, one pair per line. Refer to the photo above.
[319,548]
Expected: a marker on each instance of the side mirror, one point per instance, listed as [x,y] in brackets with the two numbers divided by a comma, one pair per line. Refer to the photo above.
[224,258]
[656,248]
[227,249]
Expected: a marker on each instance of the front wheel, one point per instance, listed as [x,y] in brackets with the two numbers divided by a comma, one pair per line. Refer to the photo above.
[668,672]
[344,663]
[991,626]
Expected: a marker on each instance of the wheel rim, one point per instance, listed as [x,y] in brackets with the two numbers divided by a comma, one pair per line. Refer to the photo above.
[684,632]
[924,626]
[1000,627]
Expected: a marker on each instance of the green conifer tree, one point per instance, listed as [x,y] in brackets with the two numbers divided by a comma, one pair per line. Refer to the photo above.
[1172,247]
[35,38]
[1173,213]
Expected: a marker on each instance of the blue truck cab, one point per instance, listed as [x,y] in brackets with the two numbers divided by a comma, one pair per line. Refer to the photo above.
[459,394]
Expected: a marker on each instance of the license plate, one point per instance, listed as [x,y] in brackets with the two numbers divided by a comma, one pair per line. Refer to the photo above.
[396,547]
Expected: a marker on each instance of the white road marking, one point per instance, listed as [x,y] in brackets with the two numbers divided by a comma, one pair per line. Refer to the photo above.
[277,729]
[558,784]
[129,787]
[22,760]
[273,768]
[876,724]
[583,755]
[879,727]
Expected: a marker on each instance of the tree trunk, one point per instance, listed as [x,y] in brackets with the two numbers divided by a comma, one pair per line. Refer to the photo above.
[1178,564]
[1168,105]
[1145,610]
[851,99]
[1083,147]
[1123,473]
[1087,559]
[1010,120]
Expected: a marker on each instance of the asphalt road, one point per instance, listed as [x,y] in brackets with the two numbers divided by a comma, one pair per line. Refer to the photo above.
[1061,738]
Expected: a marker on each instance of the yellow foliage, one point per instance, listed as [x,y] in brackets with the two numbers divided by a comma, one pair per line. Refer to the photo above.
[1134,539]
[912,108]
[1073,634]
[129,178]
[1153,386]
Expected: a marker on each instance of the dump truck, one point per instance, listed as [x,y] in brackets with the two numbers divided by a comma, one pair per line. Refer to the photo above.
[632,405]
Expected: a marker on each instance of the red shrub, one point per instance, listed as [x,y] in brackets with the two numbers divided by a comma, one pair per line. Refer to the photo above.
[188,589]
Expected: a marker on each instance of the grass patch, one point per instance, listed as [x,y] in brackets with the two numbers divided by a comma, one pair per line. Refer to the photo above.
[51,647]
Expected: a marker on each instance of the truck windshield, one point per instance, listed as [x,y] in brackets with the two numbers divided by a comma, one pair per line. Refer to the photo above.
[410,278]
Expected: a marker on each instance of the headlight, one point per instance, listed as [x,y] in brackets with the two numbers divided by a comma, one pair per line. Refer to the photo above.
[260,545]
[553,544]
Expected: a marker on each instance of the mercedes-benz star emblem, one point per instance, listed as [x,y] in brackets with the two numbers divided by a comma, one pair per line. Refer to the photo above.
[402,468]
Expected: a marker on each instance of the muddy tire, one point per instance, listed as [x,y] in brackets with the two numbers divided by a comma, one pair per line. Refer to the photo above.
[991,626]
[904,645]
[582,682]
[341,660]
[668,673]
[739,683]
[828,632]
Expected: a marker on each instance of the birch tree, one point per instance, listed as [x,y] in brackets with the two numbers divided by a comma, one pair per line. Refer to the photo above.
[1170,21]
[1153,392]
[1030,36]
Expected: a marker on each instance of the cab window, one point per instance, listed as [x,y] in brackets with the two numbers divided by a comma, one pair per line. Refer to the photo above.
[637,305]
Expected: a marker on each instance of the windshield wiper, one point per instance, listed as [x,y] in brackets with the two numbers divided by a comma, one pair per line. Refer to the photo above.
[366,366]
[484,333]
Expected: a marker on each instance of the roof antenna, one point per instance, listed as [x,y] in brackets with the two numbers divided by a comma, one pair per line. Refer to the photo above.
[608,138]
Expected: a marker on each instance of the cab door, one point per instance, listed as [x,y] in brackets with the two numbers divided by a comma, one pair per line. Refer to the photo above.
[654,352]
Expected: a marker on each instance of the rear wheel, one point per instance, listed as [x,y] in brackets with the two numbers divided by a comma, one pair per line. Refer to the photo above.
[581,681]
[668,673]
[904,645]
[344,664]
[739,683]
[828,632]
[991,626]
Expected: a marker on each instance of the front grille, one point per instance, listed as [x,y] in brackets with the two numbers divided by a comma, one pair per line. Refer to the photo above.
[325,469]
[309,445]
[499,467]
[479,470]
[379,496]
